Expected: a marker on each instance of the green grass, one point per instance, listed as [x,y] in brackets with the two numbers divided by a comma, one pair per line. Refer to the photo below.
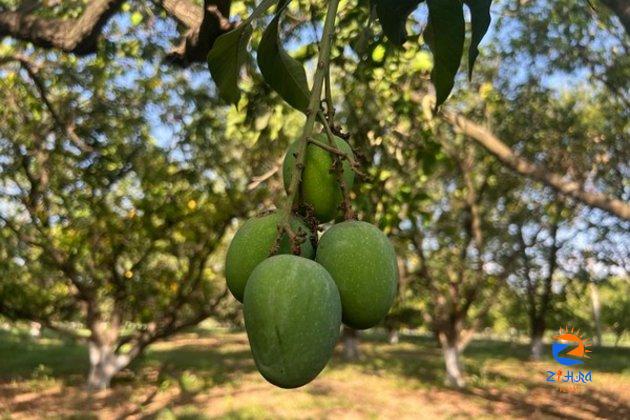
[22,357]
[207,373]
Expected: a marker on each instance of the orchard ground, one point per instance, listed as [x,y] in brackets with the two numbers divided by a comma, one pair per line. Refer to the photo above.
[208,373]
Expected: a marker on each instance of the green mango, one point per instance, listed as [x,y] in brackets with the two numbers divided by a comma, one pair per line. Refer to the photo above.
[320,188]
[362,262]
[292,315]
[252,244]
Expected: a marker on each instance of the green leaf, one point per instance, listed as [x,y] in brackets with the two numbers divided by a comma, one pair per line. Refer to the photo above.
[445,34]
[281,72]
[225,59]
[228,54]
[393,16]
[480,22]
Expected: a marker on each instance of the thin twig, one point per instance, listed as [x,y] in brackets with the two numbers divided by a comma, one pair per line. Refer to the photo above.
[346,204]
[311,114]
[331,148]
[257,180]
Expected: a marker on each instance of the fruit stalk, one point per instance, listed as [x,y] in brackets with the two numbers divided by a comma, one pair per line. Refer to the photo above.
[337,166]
[311,112]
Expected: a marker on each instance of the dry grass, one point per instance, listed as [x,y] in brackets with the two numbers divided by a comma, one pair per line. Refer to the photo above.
[210,375]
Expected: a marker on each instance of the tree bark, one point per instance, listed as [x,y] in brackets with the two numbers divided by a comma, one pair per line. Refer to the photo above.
[537,331]
[350,339]
[80,36]
[536,172]
[597,309]
[104,364]
[105,361]
[35,329]
[452,360]
[393,336]
[536,347]
[183,11]
[200,38]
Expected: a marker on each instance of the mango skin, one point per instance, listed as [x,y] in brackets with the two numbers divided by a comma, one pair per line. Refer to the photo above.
[251,245]
[292,315]
[320,188]
[362,262]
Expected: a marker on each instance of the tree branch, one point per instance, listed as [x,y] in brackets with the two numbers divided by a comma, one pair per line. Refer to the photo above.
[257,180]
[32,69]
[536,172]
[417,240]
[552,261]
[78,36]
[56,256]
[204,27]
[184,11]
[151,335]
[530,286]
[474,234]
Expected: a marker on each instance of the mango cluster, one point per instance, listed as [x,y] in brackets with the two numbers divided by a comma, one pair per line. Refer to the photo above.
[294,302]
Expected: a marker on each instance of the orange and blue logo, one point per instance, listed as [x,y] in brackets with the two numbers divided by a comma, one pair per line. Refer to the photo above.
[569,348]
[572,340]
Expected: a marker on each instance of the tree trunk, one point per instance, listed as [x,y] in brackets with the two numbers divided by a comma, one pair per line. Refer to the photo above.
[597,310]
[35,329]
[452,359]
[350,339]
[104,364]
[537,331]
[536,347]
[452,362]
[393,337]
[536,342]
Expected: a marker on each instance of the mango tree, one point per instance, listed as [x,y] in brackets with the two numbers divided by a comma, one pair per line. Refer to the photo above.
[107,234]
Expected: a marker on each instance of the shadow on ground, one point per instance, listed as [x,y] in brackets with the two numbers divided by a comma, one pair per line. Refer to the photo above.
[502,380]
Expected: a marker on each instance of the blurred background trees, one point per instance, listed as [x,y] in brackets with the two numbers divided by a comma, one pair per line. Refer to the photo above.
[109,235]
